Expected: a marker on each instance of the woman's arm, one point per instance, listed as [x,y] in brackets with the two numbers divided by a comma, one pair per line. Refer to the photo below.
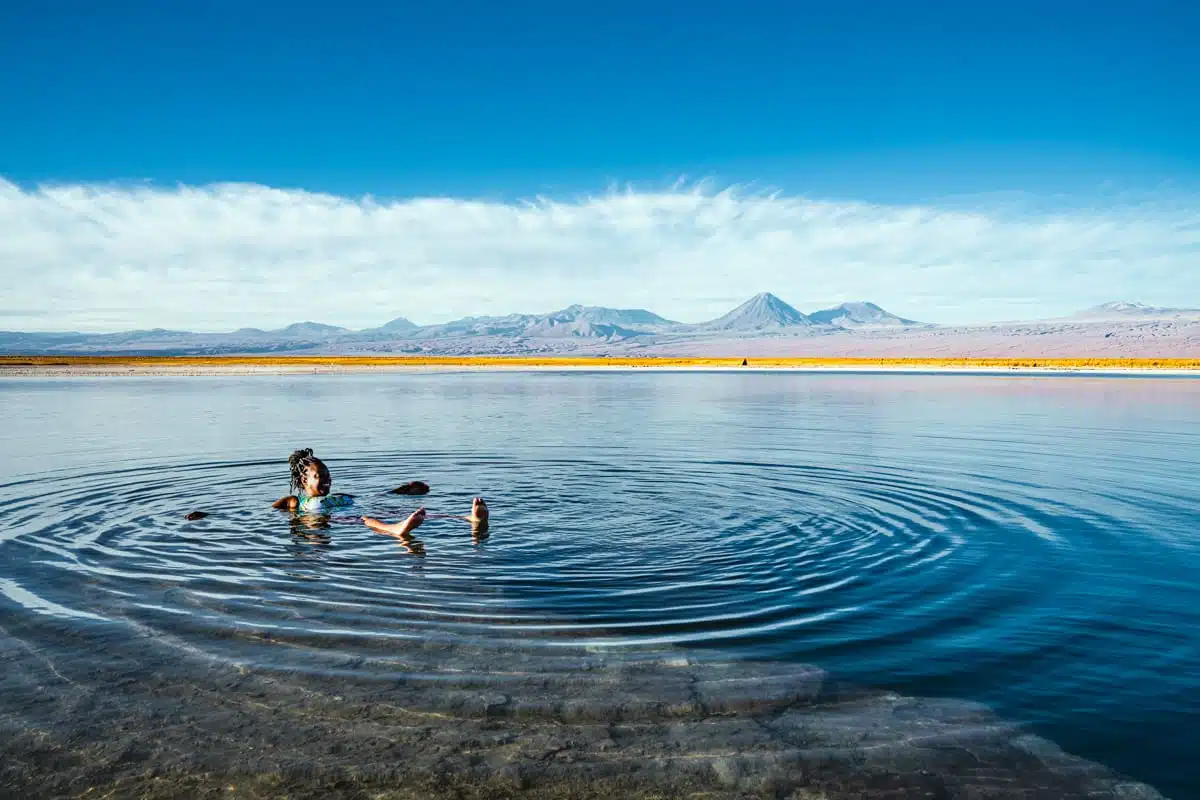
[288,503]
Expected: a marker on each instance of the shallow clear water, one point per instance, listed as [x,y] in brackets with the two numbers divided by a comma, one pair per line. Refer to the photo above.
[1028,542]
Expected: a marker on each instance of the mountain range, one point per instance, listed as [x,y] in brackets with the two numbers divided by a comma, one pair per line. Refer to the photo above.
[764,324]
[565,329]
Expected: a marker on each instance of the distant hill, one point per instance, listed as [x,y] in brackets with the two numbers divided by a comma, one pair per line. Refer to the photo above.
[510,325]
[763,312]
[634,319]
[577,321]
[577,328]
[311,329]
[859,315]
[1125,309]
[398,325]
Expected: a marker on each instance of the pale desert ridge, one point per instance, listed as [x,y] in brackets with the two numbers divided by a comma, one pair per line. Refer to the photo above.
[763,327]
[1124,339]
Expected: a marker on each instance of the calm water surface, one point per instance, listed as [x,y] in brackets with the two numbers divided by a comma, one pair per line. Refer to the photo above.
[1027,542]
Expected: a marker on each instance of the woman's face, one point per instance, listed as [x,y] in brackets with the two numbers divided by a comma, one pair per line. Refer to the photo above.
[317,480]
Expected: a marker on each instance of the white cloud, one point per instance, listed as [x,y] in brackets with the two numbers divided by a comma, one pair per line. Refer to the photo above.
[96,257]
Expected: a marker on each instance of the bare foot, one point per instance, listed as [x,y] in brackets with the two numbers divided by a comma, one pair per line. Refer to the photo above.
[397,528]
[479,517]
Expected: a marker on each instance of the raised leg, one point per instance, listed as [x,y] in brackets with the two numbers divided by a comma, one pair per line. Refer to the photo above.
[396,528]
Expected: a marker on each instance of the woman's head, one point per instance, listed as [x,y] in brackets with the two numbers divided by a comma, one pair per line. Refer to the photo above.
[310,476]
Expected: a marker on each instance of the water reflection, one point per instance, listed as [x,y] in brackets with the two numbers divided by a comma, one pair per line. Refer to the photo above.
[410,543]
[311,526]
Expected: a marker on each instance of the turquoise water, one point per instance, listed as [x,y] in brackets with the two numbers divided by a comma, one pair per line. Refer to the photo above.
[1030,543]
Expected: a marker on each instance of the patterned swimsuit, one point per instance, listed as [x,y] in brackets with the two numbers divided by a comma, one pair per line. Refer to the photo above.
[319,505]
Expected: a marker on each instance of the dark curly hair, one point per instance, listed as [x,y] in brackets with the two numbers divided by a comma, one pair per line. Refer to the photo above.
[298,462]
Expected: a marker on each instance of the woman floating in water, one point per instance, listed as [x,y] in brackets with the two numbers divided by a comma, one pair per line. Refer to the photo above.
[311,482]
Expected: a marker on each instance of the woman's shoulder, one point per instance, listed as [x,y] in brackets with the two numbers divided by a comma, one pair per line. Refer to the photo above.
[289,503]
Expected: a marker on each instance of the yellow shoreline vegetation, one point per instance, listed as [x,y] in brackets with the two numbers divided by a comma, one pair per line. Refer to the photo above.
[335,362]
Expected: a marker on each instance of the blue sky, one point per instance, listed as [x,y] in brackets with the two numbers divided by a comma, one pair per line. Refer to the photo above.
[1019,112]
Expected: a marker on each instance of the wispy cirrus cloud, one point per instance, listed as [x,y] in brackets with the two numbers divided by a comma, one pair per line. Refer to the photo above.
[98,257]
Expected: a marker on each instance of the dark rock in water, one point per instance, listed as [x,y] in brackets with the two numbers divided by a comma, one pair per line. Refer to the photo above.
[195,515]
[415,487]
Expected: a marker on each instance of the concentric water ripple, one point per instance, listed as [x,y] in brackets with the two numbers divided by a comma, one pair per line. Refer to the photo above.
[582,552]
[1036,555]
[664,553]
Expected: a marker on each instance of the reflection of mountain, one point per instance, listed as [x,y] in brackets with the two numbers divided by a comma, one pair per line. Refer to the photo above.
[763,325]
